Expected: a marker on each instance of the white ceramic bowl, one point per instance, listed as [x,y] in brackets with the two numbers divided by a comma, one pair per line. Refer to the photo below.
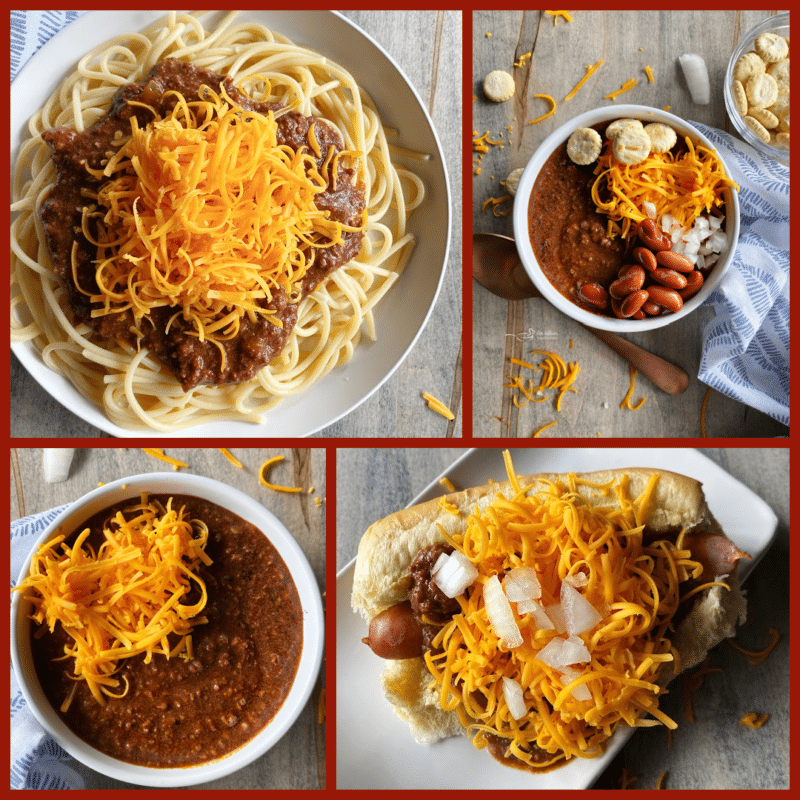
[313,630]
[778,24]
[558,137]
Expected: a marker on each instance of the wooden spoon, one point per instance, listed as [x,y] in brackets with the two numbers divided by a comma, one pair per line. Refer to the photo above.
[497,267]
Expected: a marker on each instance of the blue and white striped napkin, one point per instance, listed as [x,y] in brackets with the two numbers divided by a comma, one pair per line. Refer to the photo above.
[31,29]
[37,762]
[746,345]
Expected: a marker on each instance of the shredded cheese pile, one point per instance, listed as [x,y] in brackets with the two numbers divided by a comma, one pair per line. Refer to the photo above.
[636,587]
[126,598]
[684,185]
[556,374]
[438,406]
[202,211]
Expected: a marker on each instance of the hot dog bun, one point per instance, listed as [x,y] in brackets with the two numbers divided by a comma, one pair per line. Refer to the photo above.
[382,580]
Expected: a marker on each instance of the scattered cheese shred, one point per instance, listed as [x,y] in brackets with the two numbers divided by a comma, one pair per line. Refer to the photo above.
[662,780]
[157,452]
[551,528]
[690,683]
[535,435]
[557,14]
[495,203]
[265,468]
[437,405]
[204,212]
[627,779]
[753,720]
[757,656]
[556,374]
[649,73]
[703,413]
[682,185]
[549,113]
[124,595]
[590,70]
[235,461]
[450,508]
[626,401]
[522,59]
[627,86]
[447,483]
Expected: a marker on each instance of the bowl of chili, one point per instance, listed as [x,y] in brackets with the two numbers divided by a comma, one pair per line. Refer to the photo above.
[241,686]
[562,236]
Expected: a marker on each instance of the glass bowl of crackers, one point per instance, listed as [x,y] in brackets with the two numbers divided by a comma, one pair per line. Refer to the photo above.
[757,87]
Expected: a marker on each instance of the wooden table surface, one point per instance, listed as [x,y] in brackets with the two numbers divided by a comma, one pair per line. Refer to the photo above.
[628,41]
[297,761]
[714,752]
[424,44]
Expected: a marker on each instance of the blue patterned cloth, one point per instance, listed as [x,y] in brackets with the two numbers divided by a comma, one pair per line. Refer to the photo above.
[37,762]
[31,29]
[746,344]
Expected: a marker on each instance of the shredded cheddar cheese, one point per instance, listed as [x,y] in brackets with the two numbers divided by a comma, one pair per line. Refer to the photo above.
[265,468]
[753,720]
[536,433]
[123,596]
[437,405]
[556,374]
[626,401]
[635,585]
[649,74]
[682,185]
[549,113]
[662,780]
[203,212]
[590,70]
[627,779]
[495,203]
[447,483]
[627,86]
[450,508]
[757,656]
[557,14]
[157,452]
[235,461]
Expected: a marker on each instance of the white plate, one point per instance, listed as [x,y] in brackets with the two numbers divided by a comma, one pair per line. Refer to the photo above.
[399,318]
[379,751]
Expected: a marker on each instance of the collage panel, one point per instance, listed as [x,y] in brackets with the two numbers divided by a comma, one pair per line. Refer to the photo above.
[168,626]
[236,223]
[540,604]
[630,232]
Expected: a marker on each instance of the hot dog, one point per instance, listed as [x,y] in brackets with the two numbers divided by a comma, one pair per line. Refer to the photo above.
[636,579]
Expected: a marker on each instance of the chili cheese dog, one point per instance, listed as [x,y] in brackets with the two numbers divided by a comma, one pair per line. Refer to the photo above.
[589,594]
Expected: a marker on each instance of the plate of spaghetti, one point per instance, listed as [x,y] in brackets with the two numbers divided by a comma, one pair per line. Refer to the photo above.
[209,216]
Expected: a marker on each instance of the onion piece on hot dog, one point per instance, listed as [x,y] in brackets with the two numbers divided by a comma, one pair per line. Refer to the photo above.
[450,671]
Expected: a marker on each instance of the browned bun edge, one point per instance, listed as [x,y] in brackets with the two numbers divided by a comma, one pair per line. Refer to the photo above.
[388,547]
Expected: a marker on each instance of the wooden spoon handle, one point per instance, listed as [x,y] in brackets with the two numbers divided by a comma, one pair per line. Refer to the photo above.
[666,376]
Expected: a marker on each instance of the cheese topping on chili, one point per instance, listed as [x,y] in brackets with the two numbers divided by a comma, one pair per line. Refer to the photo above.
[205,212]
[635,587]
[125,599]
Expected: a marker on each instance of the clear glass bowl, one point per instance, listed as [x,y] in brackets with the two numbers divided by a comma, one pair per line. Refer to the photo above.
[778,24]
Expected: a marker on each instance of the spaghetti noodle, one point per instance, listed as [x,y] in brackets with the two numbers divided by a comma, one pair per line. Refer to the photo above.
[126,379]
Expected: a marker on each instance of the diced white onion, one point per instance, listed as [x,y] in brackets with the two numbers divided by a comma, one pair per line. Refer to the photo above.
[550,654]
[56,463]
[694,68]
[522,583]
[501,617]
[455,574]
[579,692]
[579,614]
[556,615]
[578,580]
[575,651]
[512,692]
[540,618]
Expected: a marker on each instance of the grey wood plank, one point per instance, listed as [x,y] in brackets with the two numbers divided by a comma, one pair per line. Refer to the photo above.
[628,41]
[297,761]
